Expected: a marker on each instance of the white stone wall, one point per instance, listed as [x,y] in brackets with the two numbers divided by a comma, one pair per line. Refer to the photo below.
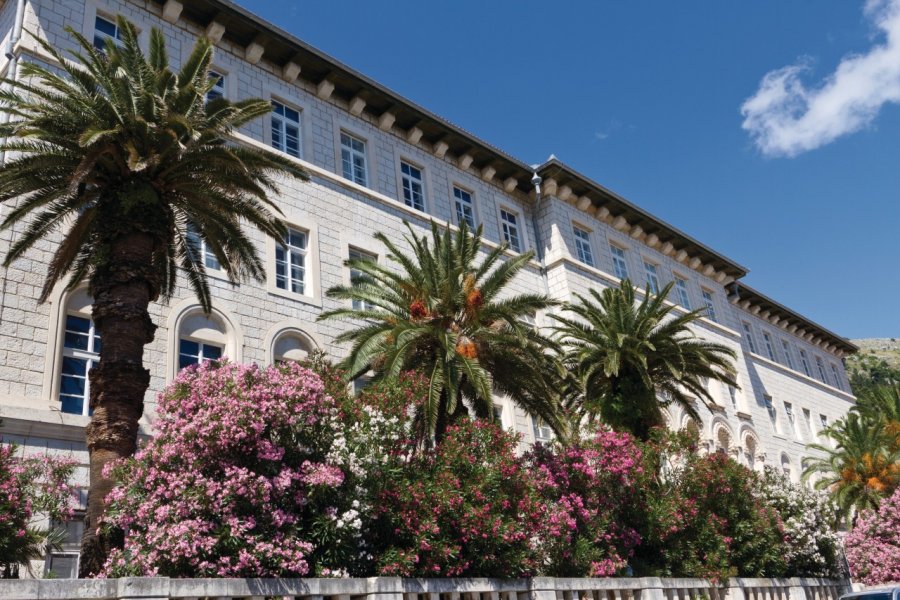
[339,214]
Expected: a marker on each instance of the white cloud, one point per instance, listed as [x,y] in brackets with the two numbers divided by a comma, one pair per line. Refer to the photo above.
[786,118]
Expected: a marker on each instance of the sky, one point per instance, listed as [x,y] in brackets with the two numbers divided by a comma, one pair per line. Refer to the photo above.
[768,130]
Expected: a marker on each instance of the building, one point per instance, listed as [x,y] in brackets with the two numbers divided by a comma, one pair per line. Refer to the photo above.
[376,160]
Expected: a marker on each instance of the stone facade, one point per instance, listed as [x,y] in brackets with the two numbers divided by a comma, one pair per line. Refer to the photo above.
[258,321]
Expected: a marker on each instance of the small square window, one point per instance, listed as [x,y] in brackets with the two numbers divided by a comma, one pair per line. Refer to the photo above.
[583,246]
[353,159]
[511,230]
[106,29]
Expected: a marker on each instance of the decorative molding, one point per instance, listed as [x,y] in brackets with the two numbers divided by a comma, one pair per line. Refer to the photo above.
[386,120]
[413,135]
[356,106]
[440,148]
[584,203]
[510,184]
[636,231]
[254,50]
[324,89]
[214,31]
[550,186]
[488,173]
[652,240]
[564,193]
[290,72]
[171,11]
[620,223]
[465,161]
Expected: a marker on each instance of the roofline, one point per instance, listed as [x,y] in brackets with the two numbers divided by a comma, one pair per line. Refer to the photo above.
[737,270]
[745,292]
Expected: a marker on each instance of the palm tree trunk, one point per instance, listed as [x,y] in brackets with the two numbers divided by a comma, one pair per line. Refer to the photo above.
[122,290]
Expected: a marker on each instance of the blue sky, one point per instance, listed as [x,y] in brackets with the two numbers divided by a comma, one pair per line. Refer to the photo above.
[769,130]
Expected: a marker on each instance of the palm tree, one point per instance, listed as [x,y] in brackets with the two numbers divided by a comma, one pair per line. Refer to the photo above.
[122,154]
[627,355]
[861,468]
[441,312]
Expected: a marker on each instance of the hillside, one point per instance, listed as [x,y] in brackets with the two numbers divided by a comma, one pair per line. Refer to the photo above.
[878,361]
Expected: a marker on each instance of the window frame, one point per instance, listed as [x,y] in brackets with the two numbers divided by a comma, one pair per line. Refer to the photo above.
[301,131]
[104,16]
[518,224]
[748,335]
[202,345]
[224,78]
[582,243]
[454,200]
[786,350]
[619,261]
[708,296]
[353,152]
[206,254]
[770,349]
[651,274]
[804,362]
[681,288]
[91,356]
[351,249]
[312,293]
[838,382]
[820,367]
[226,323]
[424,181]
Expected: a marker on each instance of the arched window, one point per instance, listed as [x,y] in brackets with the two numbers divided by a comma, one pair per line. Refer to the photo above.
[723,439]
[786,467]
[291,346]
[80,352]
[201,338]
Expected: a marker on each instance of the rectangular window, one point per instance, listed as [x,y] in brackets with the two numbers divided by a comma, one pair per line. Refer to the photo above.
[804,361]
[290,262]
[788,357]
[789,413]
[192,352]
[821,367]
[710,305]
[286,129]
[354,274]
[413,186]
[770,349]
[510,230]
[773,414]
[823,422]
[105,29]
[807,422]
[652,277]
[218,88]
[81,351]
[748,335]
[542,431]
[620,266]
[732,394]
[199,250]
[837,378]
[465,210]
[682,289]
[62,561]
[353,159]
[583,246]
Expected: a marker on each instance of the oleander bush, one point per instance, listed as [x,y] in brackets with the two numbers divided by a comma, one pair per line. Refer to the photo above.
[281,471]
[873,545]
[30,488]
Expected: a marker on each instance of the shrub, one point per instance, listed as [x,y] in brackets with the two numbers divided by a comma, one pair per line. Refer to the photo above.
[468,508]
[30,487]
[593,495]
[707,518]
[873,545]
[812,547]
[235,481]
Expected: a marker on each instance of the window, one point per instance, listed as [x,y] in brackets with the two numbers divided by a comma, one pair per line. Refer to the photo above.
[542,432]
[619,264]
[732,394]
[354,274]
[510,230]
[218,88]
[789,413]
[199,250]
[290,262]
[805,362]
[710,305]
[465,210]
[193,352]
[81,351]
[286,129]
[498,414]
[353,159]
[413,186]
[681,288]
[773,414]
[749,336]
[291,346]
[362,382]
[105,29]
[807,422]
[788,358]
[770,349]
[63,562]
[821,367]
[583,246]
[837,378]
[652,277]
[823,422]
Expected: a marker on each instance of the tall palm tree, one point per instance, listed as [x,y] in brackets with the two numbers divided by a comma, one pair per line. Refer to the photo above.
[631,358]
[121,154]
[444,313]
[861,468]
